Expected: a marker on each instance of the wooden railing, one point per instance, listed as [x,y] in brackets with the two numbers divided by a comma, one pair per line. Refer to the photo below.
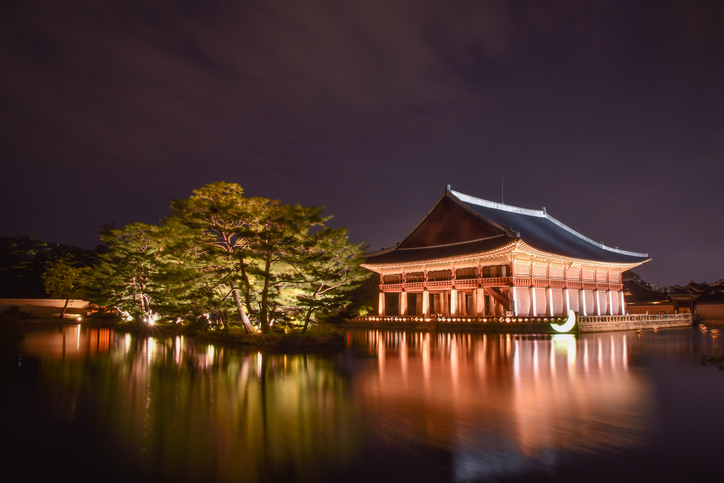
[439,285]
[471,283]
[585,323]
[458,319]
[635,318]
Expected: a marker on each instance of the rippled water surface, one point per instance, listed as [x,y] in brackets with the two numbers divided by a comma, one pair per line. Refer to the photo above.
[92,404]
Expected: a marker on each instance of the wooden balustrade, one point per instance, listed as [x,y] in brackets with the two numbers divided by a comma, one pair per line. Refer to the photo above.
[472,283]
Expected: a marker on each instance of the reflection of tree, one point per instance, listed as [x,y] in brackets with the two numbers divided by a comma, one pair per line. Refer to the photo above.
[197,412]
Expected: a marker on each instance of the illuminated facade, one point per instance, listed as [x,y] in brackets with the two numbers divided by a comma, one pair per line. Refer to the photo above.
[476,258]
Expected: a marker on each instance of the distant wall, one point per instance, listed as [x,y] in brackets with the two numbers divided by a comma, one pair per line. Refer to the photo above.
[651,309]
[46,306]
[710,313]
[707,313]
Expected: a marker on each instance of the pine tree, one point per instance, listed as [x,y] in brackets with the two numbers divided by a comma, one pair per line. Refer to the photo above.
[63,279]
[330,272]
[219,218]
[123,278]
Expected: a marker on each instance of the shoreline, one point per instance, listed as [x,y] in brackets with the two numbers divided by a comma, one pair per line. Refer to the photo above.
[268,341]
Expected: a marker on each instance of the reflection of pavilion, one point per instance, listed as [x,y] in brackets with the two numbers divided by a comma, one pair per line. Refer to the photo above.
[501,403]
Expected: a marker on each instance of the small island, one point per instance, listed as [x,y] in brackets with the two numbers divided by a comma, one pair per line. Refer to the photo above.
[221,267]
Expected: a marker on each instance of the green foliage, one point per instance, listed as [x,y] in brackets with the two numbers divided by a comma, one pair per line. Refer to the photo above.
[125,276]
[219,252]
[23,261]
[64,280]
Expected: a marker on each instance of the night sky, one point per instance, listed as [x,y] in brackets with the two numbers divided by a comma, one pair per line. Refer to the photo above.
[608,113]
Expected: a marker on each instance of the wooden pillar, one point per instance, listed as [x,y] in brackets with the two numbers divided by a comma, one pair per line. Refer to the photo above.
[453,301]
[550,301]
[514,291]
[403,303]
[597,301]
[623,304]
[381,308]
[533,301]
[567,294]
[425,303]
[479,302]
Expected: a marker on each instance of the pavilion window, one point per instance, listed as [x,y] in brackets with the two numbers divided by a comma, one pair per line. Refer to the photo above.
[465,273]
[522,269]
[493,271]
[436,275]
[412,277]
[540,271]
[393,278]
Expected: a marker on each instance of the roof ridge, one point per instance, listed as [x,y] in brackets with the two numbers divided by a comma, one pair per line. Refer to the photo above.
[540,214]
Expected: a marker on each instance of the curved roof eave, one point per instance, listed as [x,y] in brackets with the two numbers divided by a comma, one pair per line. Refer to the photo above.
[524,247]
[542,231]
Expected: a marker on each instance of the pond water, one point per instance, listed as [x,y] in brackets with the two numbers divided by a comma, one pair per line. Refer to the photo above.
[92,404]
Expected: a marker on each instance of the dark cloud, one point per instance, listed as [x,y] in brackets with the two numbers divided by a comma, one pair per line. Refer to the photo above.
[608,113]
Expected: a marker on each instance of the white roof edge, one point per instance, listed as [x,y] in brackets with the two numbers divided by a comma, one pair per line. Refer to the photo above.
[498,206]
[540,214]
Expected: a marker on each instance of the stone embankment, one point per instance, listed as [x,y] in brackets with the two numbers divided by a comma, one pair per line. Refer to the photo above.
[520,324]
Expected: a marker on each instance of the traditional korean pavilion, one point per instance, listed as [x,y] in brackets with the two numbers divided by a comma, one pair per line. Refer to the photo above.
[477,258]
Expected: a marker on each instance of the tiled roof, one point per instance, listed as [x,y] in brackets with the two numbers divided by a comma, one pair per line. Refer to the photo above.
[543,232]
[534,227]
[636,293]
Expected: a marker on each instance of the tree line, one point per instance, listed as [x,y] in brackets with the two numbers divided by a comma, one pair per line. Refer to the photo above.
[220,257]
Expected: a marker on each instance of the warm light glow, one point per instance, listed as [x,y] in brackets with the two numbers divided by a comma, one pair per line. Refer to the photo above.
[568,325]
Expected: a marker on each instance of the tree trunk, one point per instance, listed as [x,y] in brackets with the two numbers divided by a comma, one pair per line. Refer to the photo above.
[223,320]
[264,312]
[242,315]
[306,319]
[62,311]
[247,285]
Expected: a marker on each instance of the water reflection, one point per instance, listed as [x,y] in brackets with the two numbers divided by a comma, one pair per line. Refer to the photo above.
[499,405]
[503,404]
[193,412]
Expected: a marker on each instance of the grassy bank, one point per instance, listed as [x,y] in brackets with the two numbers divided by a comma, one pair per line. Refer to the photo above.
[320,336]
